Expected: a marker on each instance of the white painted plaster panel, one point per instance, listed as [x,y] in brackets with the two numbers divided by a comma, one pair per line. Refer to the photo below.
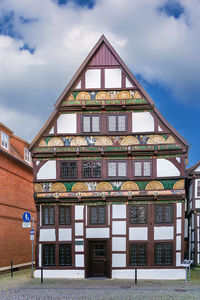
[178,242]
[109,214]
[186,228]
[197,203]
[48,170]
[119,227]
[113,78]
[79,260]
[166,168]
[119,260]
[97,233]
[79,212]
[197,169]
[163,233]
[198,258]
[93,79]
[198,217]
[47,235]
[192,223]
[40,215]
[79,248]
[128,83]
[196,184]
[198,247]
[66,123]
[118,211]
[78,85]
[60,274]
[178,159]
[37,162]
[178,226]
[138,233]
[86,212]
[64,234]
[142,122]
[119,244]
[40,255]
[197,235]
[150,274]
[178,259]
[192,236]
[78,228]
[159,128]
[178,210]
[52,130]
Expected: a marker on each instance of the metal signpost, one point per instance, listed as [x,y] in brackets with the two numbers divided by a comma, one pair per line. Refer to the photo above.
[187,263]
[27,224]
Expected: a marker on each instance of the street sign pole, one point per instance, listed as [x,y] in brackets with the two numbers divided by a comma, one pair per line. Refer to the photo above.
[32,251]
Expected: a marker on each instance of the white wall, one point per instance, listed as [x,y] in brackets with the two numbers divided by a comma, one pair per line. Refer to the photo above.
[79,212]
[118,244]
[138,234]
[163,233]
[178,210]
[150,274]
[166,168]
[178,226]
[92,233]
[119,227]
[128,83]
[47,235]
[64,234]
[113,78]
[118,211]
[119,260]
[48,170]
[66,123]
[93,79]
[79,260]
[78,228]
[196,183]
[178,243]
[60,273]
[142,122]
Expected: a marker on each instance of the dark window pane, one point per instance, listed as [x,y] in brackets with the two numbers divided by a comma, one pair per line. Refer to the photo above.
[48,255]
[68,170]
[95,124]
[168,213]
[159,214]
[65,256]
[121,123]
[164,213]
[98,215]
[158,255]
[137,255]
[97,169]
[51,215]
[87,169]
[133,215]
[163,254]
[64,170]
[142,217]
[112,123]
[86,124]
[198,188]
[48,215]
[138,214]
[133,255]
[64,215]
[142,255]
[72,169]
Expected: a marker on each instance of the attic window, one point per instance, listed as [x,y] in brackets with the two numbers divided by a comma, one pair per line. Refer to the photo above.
[4,140]
[27,155]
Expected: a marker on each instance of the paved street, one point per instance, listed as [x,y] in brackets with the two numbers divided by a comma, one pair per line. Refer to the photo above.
[22,287]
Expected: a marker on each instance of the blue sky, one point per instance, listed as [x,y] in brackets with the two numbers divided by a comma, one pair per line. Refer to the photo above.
[42,43]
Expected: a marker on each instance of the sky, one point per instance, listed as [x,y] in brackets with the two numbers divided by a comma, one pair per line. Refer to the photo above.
[42,44]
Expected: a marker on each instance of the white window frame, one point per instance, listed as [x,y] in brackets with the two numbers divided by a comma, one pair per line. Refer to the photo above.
[27,155]
[4,139]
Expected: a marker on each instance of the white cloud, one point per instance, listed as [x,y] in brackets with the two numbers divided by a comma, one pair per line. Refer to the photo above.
[158,47]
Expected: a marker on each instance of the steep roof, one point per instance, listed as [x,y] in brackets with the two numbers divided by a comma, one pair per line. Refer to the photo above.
[192,169]
[115,60]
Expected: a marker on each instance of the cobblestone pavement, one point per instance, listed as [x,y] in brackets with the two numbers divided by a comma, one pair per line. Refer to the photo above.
[22,287]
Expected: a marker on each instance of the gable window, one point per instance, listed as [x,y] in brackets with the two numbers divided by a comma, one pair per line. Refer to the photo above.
[48,215]
[198,188]
[91,123]
[65,255]
[138,214]
[142,168]
[164,213]
[68,170]
[4,140]
[49,255]
[117,123]
[138,254]
[163,254]
[27,155]
[97,215]
[117,169]
[64,215]
[91,169]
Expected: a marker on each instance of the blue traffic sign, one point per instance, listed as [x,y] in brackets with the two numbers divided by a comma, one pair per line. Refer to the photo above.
[26,217]
[32,231]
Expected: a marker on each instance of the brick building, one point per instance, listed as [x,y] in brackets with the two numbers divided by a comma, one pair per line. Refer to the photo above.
[16,175]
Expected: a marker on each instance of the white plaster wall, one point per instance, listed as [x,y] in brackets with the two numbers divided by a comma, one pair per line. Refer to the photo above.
[166,168]
[78,85]
[119,227]
[40,215]
[52,130]
[79,212]
[186,228]
[109,214]
[138,234]
[163,233]
[64,234]
[128,83]
[48,170]
[66,123]
[40,255]
[197,235]
[198,258]
[60,274]
[197,169]
[178,242]
[93,79]
[119,244]
[47,235]
[113,78]
[192,223]
[78,228]
[178,210]
[118,260]
[196,184]
[178,259]
[142,122]
[198,217]
[150,274]
[178,226]
[197,203]
[159,128]
[118,211]
[97,233]
[79,248]
[79,260]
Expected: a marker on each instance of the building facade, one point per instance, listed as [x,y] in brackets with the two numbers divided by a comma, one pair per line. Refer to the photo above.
[16,176]
[193,211]
[109,176]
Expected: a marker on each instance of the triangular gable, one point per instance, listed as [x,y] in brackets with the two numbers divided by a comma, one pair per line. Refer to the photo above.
[194,169]
[95,58]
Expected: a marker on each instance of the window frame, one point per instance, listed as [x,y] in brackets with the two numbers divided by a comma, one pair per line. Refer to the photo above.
[163,254]
[117,123]
[90,214]
[43,254]
[3,137]
[92,168]
[146,214]
[91,126]
[65,215]
[163,213]
[48,207]
[142,168]
[28,154]
[59,246]
[146,253]
[68,162]
[117,168]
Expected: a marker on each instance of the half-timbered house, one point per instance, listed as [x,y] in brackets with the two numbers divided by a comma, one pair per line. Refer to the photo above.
[109,177]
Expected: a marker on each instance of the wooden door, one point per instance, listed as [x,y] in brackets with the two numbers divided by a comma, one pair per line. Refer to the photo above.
[98,258]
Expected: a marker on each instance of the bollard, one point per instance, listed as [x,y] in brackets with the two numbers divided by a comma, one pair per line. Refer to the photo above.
[136,276]
[41,274]
[11,268]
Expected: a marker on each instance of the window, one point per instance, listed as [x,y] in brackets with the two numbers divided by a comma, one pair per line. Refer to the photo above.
[117,169]
[142,168]
[97,215]
[138,214]
[4,140]
[48,215]
[138,255]
[117,123]
[65,255]
[27,155]
[91,169]
[91,123]
[64,215]
[164,254]
[68,170]
[164,213]
[198,188]
[49,255]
